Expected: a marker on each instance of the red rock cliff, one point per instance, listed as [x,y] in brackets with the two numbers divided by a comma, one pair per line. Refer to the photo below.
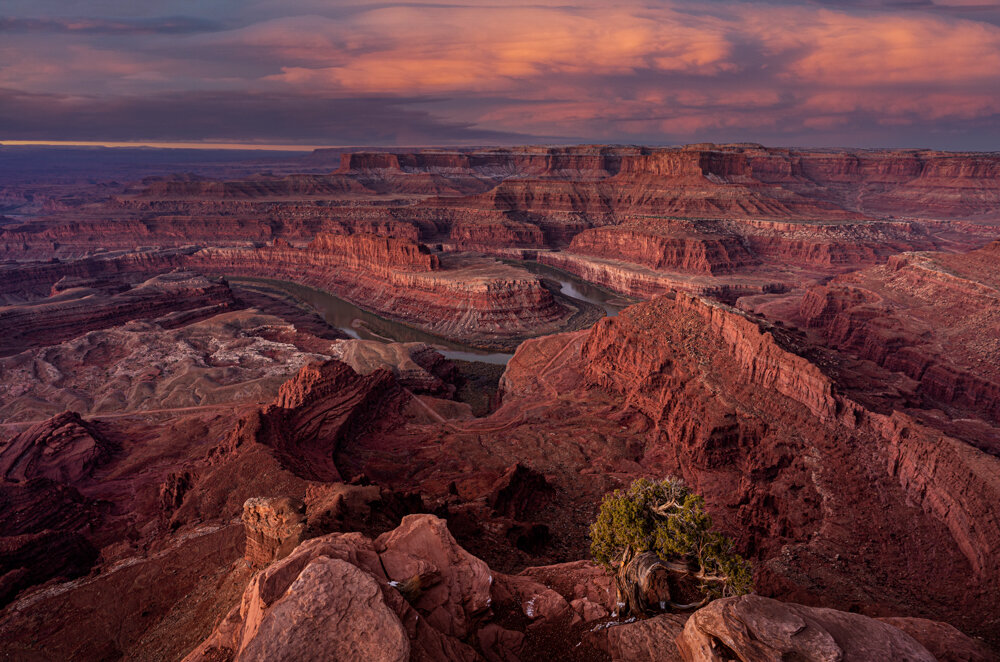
[732,398]
[930,316]
[369,250]
[664,248]
[476,300]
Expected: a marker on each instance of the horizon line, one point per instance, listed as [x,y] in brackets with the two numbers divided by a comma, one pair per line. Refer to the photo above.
[292,147]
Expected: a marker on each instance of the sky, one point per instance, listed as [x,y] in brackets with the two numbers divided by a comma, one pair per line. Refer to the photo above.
[865,73]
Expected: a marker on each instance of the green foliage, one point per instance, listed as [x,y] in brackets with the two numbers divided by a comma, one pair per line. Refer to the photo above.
[665,517]
[411,589]
[626,519]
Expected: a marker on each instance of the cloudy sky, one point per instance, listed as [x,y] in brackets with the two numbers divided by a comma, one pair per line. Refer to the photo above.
[862,72]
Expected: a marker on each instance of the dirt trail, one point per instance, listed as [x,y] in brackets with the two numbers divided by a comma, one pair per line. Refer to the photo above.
[139,412]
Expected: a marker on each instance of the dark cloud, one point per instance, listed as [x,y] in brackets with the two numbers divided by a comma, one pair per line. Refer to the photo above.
[859,130]
[978,11]
[168,25]
[234,116]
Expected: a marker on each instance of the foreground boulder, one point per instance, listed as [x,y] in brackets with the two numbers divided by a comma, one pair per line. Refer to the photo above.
[332,611]
[648,640]
[945,642]
[755,629]
[414,594]
[411,594]
[454,586]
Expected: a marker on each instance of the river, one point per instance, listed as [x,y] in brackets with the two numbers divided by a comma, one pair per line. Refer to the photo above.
[575,287]
[361,324]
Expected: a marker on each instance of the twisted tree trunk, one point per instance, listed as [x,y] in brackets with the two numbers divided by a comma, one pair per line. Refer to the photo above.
[643,585]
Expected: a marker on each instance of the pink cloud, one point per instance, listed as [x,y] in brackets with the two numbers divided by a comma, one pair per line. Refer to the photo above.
[601,70]
[823,62]
[881,50]
[407,50]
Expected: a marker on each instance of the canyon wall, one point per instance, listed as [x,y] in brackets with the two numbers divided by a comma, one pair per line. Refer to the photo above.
[171,299]
[729,258]
[643,283]
[535,197]
[473,300]
[24,281]
[775,399]
[199,224]
[658,247]
[931,316]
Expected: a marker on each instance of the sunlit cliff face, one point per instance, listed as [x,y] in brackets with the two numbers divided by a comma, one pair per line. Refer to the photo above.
[316,71]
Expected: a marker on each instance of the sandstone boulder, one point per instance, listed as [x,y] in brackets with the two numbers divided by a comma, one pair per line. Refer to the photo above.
[577,580]
[428,644]
[588,611]
[648,640]
[430,616]
[539,604]
[422,545]
[272,584]
[751,628]
[944,641]
[332,611]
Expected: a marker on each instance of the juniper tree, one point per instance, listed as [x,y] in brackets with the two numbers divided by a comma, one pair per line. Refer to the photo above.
[656,527]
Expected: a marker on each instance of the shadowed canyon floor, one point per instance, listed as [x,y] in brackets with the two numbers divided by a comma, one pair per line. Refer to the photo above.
[249,416]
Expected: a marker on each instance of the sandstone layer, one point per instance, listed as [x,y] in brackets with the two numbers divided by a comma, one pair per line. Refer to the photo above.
[227,359]
[474,300]
[931,316]
[170,299]
[543,197]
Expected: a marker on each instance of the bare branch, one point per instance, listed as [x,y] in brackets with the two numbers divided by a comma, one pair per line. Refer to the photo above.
[693,605]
